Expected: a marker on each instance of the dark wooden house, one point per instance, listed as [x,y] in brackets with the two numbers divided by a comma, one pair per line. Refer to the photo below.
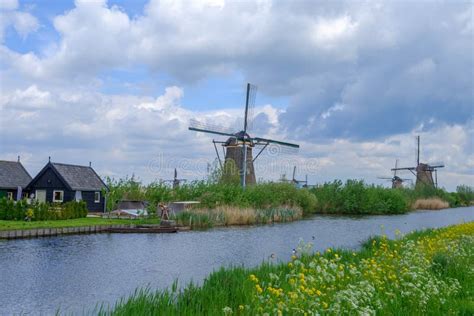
[58,183]
[13,180]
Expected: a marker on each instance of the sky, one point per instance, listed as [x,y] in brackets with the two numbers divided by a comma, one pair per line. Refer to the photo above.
[352,82]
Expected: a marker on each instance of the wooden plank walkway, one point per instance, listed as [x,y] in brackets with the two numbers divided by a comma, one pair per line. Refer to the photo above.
[123,228]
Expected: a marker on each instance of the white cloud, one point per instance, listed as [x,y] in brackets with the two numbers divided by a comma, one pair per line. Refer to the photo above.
[8,4]
[170,99]
[31,98]
[360,78]
[24,23]
[329,31]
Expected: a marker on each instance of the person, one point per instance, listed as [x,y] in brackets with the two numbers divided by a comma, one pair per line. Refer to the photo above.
[164,211]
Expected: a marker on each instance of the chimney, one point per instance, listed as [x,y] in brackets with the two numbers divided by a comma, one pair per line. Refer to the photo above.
[18,158]
[49,159]
[90,164]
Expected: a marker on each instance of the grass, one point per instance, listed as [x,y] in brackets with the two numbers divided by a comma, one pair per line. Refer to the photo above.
[88,221]
[430,204]
[231,215]
[423,273]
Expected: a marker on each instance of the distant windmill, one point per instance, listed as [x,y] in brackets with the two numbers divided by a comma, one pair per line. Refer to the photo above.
[423,171]
[238,147]
[175,182]
[397,182]
[298,183]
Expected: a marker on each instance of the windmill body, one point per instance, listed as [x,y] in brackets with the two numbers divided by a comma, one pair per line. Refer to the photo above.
[235,154]
[239,146]
[423,171]
[299,183]
[175,181]
[397,182]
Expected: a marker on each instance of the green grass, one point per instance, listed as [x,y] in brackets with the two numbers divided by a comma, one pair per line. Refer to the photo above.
[431,270]
[89,221]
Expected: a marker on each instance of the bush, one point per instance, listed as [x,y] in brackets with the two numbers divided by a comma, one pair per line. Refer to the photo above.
[21,210]
[465,195]
[356,197]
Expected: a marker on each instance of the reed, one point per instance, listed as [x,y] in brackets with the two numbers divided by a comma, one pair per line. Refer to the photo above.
[233,216]
[430,204]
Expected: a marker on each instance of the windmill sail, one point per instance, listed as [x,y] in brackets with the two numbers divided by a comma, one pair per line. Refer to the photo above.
[240,144]
[198,126]
[250,107]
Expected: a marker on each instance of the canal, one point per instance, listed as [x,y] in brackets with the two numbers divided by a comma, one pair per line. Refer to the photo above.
[74,273]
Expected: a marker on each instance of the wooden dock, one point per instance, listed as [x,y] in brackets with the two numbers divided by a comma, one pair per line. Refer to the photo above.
[143,230]
[121,229]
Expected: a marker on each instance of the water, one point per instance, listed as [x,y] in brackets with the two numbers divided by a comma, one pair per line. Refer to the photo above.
[76,272]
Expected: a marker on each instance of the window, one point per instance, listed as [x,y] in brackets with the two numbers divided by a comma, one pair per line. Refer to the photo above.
[58,196]
[97,197]
[10,195]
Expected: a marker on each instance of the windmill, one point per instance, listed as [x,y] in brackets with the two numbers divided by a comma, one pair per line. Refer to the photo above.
[423,171]
[238,148]
[397,182]
[175,181]
[299,183]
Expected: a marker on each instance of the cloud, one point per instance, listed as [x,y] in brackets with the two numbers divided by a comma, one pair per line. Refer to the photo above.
[361,79]
[378,59]
[8,4]
[24,23]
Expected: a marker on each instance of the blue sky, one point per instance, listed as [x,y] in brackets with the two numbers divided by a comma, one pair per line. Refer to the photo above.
[117,81]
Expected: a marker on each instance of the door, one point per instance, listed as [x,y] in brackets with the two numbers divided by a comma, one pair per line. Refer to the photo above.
[41,195]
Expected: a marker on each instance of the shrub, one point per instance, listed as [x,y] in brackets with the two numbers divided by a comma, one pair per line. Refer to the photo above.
[21,210]
[356,197]
[465,194]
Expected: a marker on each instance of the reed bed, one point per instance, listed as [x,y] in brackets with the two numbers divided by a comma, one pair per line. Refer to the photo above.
[233,216]
[423,273]
[430,204]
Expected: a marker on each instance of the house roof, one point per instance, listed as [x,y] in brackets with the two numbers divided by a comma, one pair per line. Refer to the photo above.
[13,175]
[81,178]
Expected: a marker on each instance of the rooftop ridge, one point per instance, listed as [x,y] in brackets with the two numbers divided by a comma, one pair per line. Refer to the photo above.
[68,164]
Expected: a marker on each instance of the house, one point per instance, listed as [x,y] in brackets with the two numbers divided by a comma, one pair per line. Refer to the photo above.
[13,179]
[58,183]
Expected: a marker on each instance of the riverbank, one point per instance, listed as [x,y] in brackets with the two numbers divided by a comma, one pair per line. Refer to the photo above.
[423,272]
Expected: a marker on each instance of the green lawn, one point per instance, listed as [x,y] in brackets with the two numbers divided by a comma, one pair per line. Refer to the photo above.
[90,221]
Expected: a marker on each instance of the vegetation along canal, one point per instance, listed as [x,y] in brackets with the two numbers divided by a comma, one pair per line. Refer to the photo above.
[74,273]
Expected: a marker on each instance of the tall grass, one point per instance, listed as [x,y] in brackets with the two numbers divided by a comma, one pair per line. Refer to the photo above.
[434,203]
[428,272]
[230,215]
